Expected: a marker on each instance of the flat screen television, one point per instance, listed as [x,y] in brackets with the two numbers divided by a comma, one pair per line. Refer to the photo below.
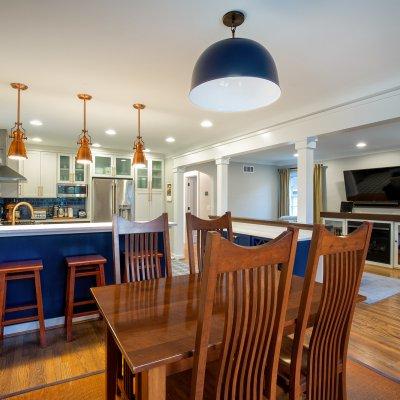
[373,185]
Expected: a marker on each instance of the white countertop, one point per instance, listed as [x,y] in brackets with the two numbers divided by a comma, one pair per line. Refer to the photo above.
[57,229]
[266,231]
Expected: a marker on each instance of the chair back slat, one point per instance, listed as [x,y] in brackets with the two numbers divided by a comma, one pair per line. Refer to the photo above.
[141,253]
[256,297]
[343,263]
[201,227]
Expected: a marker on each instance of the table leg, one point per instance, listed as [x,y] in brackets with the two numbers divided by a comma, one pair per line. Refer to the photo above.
[153,384]
[112,357]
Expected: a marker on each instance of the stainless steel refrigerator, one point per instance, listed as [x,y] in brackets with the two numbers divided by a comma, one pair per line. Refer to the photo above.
[112,196]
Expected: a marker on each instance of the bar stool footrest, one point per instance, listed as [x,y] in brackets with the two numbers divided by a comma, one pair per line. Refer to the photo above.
[21,308]
[83,303]
[20,320]
[85,313]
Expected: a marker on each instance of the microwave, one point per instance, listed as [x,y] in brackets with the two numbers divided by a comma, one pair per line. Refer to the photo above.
[72,190]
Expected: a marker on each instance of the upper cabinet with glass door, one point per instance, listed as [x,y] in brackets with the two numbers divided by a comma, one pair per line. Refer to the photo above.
[112,166]
[69,170]
[151,177]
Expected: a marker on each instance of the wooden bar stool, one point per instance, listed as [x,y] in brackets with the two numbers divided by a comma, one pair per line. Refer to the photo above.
[78,267]
[17,270]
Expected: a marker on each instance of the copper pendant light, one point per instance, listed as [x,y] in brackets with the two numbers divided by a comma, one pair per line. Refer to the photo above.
[139,159]
[17,150]
[84,154]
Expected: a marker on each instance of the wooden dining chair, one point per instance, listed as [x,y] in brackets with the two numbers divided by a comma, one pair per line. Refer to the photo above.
[142,261]
[318,369]
[141,251]
[223,225]
[256,300]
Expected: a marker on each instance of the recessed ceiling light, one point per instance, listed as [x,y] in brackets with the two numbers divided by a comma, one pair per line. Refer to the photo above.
[111,132]
[295,154]
[361,144]
[147,150]
[206,123]
[96,145]
[36,122]
[37,139]
[170,139]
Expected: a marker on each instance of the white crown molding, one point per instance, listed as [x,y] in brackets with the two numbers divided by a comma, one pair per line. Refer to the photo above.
[367,110]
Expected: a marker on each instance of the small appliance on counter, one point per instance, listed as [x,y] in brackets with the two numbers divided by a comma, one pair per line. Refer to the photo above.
[39,214]
[82,214]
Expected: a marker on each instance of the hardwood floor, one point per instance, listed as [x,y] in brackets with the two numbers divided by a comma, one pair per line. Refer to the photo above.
[24,365]
[390,272]
[363,384]
[374,341]
[375,336]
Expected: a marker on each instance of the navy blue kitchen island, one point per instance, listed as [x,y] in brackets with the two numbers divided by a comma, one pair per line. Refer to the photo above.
[53,242]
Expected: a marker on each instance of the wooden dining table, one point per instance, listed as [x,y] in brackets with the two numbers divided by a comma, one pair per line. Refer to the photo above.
[152,324]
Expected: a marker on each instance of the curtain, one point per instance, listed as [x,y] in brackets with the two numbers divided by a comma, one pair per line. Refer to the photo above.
[283,206]
[319,172]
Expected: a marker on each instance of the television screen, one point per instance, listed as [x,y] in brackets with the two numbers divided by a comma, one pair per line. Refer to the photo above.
[376,184]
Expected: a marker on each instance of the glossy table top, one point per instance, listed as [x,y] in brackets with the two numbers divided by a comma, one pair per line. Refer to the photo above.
[154,322]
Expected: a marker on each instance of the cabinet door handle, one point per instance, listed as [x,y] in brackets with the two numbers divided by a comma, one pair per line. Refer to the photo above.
[20,189]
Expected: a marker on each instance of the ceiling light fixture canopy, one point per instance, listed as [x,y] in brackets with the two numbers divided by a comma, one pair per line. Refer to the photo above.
[139,159]
[84,154]
[234,74]
[17,150]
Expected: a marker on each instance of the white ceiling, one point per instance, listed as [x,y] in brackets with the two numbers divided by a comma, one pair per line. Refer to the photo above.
[126,51]
[378,138]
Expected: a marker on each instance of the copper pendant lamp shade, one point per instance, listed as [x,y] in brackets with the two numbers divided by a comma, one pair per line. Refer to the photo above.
[17,150]
[84,154]
[139,159]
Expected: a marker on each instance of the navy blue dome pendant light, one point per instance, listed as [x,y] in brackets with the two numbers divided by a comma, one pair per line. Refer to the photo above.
[234,74]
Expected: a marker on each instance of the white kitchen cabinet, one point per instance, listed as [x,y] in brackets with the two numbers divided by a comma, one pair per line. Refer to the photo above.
[396,245]
[111,166]
[69,171]
[148,205]
[40,171]
[149,190]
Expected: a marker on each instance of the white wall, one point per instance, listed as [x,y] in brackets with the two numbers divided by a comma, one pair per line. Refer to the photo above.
[334,173]
[253,195]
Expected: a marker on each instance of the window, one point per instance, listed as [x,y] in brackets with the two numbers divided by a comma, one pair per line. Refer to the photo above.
[293,193]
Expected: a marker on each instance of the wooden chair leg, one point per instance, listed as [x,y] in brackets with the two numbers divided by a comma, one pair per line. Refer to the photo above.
[102,277]
[39,301]
[3,289]
[70,302]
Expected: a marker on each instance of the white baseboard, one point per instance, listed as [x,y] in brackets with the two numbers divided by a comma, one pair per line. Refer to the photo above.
[178,256]
[49,323]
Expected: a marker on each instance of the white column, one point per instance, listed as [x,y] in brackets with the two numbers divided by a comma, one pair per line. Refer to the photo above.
[179,229]
[222,185]
[305,184]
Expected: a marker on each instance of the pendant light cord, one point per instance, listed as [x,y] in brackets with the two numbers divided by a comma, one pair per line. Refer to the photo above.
[139,136]
[18,106]
[84,115]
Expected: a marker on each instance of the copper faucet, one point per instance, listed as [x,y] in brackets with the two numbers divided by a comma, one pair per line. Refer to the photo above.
[22,203]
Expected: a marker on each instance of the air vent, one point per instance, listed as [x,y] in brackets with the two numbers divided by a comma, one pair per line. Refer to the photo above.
[248,169]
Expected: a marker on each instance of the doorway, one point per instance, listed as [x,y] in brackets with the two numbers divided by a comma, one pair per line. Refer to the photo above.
[191,194]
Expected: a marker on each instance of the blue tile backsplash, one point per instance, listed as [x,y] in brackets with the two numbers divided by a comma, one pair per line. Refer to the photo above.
[48,204]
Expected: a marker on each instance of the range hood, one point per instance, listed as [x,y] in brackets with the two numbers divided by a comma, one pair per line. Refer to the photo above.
[7,174]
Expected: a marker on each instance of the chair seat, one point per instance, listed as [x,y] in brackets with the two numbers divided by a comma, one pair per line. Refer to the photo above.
[179,385]
[83,261]
[285,362]
[21,266]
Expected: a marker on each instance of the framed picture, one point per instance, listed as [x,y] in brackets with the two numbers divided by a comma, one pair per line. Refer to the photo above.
[169,192]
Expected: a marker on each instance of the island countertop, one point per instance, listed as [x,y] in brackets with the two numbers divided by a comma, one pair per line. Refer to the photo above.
[57,229]
[267,231]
